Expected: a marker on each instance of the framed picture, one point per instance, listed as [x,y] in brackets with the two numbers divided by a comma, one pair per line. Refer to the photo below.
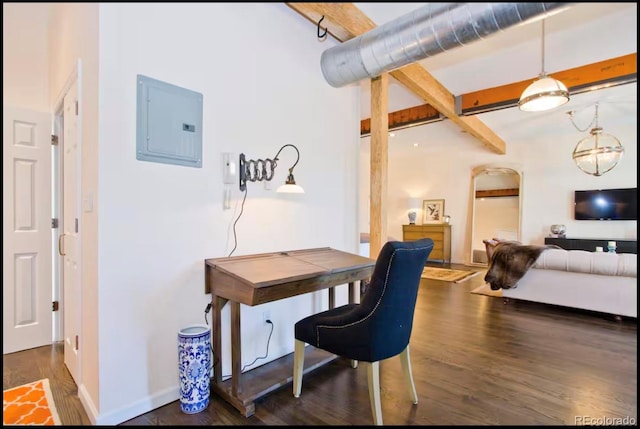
[433,211]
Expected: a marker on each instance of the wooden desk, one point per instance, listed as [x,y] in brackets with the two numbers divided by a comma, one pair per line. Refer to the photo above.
[258,279]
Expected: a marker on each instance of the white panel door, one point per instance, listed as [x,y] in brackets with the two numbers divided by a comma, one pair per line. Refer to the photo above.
[26,229]
[70,227]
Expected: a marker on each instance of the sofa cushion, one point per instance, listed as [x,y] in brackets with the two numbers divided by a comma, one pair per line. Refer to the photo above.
[581,261]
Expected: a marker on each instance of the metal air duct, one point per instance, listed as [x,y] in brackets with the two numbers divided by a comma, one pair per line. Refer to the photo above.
[425,32]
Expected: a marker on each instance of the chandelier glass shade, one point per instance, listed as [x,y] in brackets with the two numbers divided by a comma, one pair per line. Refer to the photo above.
[597,153]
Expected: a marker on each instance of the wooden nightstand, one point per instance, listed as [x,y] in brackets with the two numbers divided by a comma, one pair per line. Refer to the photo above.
[440,233]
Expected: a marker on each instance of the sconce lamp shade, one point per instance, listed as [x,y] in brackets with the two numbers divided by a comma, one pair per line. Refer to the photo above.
[290,189]
[543,94]
[290,186]
[597,153]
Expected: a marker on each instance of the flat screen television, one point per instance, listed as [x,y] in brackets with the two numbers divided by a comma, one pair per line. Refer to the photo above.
[606,204]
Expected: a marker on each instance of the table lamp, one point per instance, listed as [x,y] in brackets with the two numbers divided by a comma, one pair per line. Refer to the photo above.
[413,206]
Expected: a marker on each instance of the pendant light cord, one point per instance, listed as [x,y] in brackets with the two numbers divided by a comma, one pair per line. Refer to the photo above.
[594,120]
[543,73]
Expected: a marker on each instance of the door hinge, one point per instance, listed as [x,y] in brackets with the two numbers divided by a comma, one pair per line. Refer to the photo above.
[77,343]
[76,224]
[55,306]
[54,139]
[54,222]
[76,107]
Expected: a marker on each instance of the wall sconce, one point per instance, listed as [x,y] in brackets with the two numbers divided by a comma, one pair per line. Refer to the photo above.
[597,153]
[263,169]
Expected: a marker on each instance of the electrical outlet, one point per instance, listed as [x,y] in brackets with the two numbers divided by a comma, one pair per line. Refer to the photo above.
[266,315]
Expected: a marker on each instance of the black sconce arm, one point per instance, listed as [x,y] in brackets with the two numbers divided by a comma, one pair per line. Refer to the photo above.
[263,169]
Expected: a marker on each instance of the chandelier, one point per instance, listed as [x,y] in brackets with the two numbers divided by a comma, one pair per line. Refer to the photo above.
[597,153]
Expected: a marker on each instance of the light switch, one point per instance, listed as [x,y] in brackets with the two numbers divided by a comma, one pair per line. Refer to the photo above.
[87,202]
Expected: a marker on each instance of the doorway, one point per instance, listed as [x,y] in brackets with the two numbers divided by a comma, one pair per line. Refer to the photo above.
[41,226]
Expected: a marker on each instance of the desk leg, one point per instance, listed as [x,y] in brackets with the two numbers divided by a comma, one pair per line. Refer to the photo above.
[216,325]
[236,355]
[332,297]
[352,293]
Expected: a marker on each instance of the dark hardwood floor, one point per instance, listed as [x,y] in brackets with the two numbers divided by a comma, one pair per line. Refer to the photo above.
[475,360]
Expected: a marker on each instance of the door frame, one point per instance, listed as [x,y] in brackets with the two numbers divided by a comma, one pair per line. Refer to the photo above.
[58,126]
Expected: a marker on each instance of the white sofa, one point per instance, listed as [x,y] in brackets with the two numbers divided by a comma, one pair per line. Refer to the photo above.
[597,281]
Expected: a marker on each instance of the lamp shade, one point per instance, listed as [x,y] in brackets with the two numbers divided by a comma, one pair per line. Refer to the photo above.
[413,203]
[290,189]
[543,94]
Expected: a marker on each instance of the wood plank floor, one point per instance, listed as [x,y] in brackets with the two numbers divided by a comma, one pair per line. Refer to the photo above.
[476,361]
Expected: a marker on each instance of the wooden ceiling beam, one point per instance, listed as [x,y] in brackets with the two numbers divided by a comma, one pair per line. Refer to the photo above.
[345,21]
[492,193]
[604,74]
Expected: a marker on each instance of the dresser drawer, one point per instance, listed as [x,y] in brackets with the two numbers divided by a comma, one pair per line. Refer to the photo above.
[411,236]
[439,233]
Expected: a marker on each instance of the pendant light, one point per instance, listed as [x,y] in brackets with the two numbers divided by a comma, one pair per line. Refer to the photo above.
[597,153]
[545,93]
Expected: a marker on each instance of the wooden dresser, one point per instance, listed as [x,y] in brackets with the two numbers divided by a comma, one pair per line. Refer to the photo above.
[440,233]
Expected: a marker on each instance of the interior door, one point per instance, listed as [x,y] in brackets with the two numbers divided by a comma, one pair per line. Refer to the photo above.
[69,239]
[26,226]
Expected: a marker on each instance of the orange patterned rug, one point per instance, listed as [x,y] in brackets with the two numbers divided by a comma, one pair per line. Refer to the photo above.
[29,404]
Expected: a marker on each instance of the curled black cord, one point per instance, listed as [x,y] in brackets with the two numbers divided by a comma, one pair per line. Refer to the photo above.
[235,237]
[266,354]
[213,361]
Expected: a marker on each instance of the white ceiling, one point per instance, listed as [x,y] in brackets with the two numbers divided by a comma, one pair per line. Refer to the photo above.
[581,34]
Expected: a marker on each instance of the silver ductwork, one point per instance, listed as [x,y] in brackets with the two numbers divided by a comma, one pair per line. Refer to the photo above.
[425,32]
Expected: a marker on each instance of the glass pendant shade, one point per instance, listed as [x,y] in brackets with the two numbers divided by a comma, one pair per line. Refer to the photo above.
[543,94]
[597,153]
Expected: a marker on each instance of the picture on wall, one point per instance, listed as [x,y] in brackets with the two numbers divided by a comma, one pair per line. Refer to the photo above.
[432,211]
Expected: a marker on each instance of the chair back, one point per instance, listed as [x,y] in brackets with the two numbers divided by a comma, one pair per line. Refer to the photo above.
[390,299]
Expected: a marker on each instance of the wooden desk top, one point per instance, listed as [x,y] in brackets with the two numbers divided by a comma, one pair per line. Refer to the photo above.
[297,271]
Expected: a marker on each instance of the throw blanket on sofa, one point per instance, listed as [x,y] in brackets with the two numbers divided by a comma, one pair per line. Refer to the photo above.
[510,261]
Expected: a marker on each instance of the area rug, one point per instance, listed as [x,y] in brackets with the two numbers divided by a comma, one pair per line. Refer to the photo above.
[485,289]
[447,275]
[29,404]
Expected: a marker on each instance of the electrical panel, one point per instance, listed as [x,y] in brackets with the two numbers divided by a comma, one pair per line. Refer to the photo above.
[169,123]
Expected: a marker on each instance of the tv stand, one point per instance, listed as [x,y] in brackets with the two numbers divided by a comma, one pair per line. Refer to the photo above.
[590,244]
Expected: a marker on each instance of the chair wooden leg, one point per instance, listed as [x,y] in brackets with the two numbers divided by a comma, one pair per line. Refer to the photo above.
[298,366]
[373,377]
[405,358]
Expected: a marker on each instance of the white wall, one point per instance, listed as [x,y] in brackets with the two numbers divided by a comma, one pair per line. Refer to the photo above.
[440,167]
[257,66]
[25,80]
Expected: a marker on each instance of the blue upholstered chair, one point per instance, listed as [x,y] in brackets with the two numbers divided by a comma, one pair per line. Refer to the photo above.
[377,328]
